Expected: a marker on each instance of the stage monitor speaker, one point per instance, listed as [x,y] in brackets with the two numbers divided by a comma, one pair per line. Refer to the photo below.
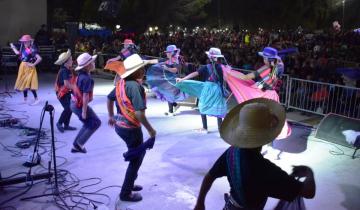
[331,128]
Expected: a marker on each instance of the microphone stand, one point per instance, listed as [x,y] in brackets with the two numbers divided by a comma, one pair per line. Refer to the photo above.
[56,191]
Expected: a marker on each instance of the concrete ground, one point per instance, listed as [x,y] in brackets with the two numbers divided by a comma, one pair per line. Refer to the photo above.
[171,173]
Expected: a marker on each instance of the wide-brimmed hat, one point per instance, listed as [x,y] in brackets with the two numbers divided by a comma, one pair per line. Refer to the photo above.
[171,48]
[84,60]
[116,66]
[134,63]
[253,123]
[26,38]
[269,52]
[214,53]
[63,57]
[128,41]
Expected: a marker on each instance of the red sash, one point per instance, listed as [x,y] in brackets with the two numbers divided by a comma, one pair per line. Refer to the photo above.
[63,90]
[127,109]
[78,96]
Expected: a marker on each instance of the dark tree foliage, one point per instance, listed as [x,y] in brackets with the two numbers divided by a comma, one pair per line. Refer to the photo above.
[137,15]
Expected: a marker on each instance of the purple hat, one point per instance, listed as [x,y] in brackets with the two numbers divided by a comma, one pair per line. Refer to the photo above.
[269,52]
[171,48]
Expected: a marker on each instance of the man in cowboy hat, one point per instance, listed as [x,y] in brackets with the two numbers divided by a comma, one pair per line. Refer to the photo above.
[130,96]
[63,86]
[83,95]
[252,178]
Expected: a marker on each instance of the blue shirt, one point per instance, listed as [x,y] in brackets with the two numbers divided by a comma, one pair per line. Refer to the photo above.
[64,74]
[85,83]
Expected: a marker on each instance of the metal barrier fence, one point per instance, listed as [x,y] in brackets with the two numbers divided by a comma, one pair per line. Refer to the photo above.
[322,98]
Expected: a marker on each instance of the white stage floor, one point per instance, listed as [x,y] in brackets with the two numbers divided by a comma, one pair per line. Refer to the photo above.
[172,171]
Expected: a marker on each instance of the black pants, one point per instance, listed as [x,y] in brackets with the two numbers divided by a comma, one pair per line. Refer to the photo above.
[66,113]
[171,107]
[133,137]
[204,121]
[33,92]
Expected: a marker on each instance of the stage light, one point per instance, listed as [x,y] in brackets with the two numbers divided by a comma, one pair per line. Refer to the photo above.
[150,29]
[117,27]
[156,28]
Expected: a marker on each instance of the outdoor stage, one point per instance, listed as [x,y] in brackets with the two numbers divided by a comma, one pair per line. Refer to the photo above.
[172,171]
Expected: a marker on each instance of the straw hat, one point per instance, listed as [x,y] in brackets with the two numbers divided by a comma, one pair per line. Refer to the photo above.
[63,57]
[133,63]
[253,123]
[84,60]
[26,38]
[269,52]
[214,53]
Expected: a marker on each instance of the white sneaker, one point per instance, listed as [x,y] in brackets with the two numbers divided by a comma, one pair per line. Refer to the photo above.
[202,131]
[35,102]
[176,108]
[24,101]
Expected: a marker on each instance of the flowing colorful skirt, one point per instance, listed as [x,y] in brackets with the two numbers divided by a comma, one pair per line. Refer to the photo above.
[244,90]
[162,83]
[211,100]
[26,78]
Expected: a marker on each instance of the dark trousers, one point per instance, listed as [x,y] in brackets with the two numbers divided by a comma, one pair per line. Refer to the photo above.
[204,121]
[26,93]
[133,137]
[66,113]
[90,124]
[171,107]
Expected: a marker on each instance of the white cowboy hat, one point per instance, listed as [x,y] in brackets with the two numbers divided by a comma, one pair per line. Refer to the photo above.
[133,63]
[84,60]
[214,52]
[63,57]
[253,123]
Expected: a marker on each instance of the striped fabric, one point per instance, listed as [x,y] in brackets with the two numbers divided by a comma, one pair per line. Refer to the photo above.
[244,90]
[127,118]
[234,171]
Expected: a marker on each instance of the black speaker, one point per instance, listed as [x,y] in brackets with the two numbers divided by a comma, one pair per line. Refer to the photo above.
[331,128]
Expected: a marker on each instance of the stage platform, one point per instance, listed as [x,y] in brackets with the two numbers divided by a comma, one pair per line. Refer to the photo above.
[172,171]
